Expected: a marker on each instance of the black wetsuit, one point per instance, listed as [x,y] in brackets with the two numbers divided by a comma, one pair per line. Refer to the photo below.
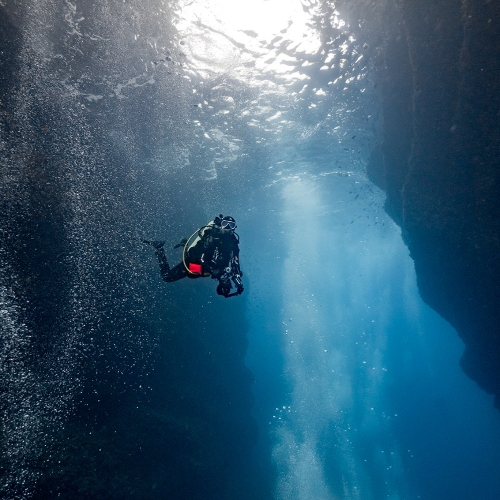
[215,251]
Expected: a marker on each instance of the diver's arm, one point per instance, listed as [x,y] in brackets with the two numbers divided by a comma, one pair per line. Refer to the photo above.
[235,267]
[235,261]
[236,271]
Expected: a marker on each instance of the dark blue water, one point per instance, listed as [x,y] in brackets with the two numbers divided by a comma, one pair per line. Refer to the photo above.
[145,120]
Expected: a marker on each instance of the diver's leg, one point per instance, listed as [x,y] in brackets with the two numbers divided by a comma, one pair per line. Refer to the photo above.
[176,273]
[165,271]
[162,262]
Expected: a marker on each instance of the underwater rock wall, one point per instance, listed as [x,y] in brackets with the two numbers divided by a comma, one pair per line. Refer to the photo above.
[113,384]
[438,161]
[176,424]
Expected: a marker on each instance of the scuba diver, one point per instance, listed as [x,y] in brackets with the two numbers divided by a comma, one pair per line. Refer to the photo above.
[212,251]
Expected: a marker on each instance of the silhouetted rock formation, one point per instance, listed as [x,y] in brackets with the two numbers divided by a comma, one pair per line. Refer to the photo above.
[113,385]
[439,163]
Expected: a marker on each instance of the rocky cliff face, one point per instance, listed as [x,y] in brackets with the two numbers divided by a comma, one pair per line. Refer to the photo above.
[112,384]
[439,163]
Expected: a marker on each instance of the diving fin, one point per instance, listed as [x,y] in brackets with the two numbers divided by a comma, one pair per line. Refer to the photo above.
[182,243]
[155,244]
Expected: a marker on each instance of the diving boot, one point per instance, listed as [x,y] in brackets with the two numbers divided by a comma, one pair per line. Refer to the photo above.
[155,244]
[182,243]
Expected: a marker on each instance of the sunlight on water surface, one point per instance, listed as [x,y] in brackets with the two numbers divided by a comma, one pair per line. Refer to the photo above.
[248,40]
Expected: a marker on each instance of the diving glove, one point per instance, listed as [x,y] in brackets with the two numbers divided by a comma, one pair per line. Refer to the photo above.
[224,289]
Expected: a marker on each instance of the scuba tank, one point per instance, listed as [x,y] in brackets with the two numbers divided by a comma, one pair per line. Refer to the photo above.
[192,242]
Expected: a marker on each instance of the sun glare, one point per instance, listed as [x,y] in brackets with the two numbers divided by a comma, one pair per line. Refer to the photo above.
[224,36]
[264,17]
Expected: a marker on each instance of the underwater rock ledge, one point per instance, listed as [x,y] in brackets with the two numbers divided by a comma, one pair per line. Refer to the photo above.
[439,163]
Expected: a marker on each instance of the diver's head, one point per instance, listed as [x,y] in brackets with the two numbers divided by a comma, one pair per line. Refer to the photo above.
[227,224]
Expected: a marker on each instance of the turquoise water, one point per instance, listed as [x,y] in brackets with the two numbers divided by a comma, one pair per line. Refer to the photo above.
[376,404]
